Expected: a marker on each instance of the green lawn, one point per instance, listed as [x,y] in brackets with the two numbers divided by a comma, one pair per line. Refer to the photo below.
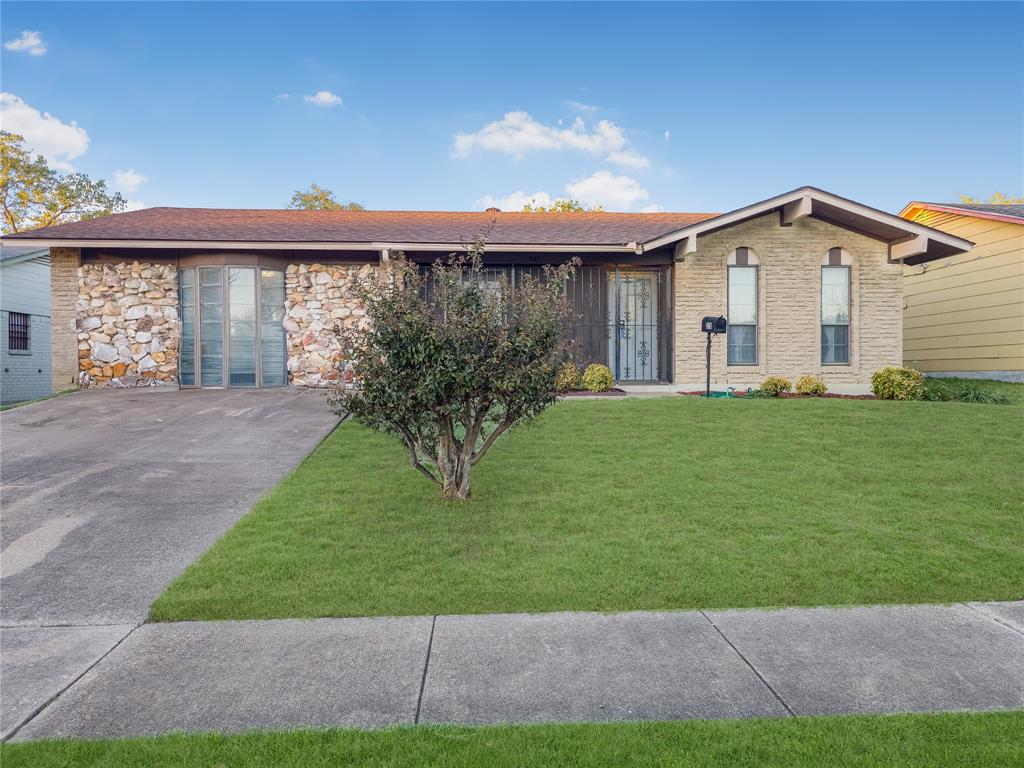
[641,504]
[901,741]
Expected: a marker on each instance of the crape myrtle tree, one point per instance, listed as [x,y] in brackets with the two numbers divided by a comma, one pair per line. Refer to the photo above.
[451,361]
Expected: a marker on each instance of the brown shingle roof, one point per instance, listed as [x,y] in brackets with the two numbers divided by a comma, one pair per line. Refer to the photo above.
[264,225]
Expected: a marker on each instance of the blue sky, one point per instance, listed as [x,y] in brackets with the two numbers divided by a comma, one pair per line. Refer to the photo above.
[454,106]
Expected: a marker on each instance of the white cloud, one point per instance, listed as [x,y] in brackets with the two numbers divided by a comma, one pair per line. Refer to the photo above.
[518,133]
[57,141]
[515,201]
[667,135]
[284,97]
[324,99]
[608,190]
[652,208]
[135,205]
[627,158]
[128,181]
[579,106]
[30,42]
[602,188]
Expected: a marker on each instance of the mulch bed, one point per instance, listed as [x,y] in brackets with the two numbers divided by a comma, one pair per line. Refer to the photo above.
[613,392]
[793,395]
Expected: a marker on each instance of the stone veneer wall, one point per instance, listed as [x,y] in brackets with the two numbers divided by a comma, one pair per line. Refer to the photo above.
[320,304]
[128,321]
[789,303]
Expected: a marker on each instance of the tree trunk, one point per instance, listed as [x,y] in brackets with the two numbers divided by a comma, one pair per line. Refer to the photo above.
[453,465]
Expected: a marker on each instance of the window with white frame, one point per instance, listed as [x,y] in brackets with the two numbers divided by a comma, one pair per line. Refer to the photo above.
[742,308]
[835,309]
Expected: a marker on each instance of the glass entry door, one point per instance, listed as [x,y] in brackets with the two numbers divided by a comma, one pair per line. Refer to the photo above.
[231,327]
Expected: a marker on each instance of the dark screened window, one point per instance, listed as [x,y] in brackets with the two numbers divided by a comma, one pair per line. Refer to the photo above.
[742,333]
[18,331]
[835,315]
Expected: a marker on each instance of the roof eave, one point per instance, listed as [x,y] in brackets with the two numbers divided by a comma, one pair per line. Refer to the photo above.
[297,245]
[796,198]
[911,207]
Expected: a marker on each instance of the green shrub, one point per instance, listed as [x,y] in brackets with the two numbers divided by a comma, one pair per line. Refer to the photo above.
[597,378]
[568,378]
[775,385]
[895,383]
[759,394]
[961,392]
[811,385]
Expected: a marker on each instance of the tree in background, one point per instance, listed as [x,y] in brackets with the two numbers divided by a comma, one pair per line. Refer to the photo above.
[33,195]
[451,360]
[316,198]
[561,206]
[997,199]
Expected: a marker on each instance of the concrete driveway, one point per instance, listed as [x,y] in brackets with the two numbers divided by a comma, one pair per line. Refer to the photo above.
[107,496]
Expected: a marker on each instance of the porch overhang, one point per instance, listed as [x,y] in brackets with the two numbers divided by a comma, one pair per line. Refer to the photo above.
[909,242]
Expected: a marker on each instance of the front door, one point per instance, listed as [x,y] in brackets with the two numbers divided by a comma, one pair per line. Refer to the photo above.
[633,336]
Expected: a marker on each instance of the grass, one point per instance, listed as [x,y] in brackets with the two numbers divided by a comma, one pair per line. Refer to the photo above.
[1013,392]
[903,741]
[19,403]
[665,503]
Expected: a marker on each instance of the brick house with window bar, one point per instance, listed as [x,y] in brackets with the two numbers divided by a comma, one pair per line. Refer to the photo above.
[810,281]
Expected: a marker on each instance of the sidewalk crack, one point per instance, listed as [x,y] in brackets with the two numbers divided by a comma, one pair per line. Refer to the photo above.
[36,712]
[752,667]
[988,615]
[426,666]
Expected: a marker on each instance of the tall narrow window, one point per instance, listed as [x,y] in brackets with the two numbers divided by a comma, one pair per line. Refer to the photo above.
[187,299]
[18,331]
[835,313]
[211,326]
[273,353]
[742,312]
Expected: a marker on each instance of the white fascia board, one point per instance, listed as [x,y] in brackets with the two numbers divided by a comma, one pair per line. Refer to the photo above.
[322,246]
[767,206]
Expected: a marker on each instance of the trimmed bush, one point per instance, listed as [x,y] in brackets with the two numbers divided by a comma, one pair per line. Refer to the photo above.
[811,385]
[896,383]
[568,378]
[597,378]
[775,385]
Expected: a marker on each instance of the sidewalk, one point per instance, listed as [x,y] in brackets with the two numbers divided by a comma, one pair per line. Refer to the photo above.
[372,672]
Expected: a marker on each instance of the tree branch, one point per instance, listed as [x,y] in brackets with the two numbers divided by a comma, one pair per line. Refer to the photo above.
[498,430]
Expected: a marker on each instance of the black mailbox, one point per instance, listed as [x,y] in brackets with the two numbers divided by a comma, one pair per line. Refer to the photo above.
[713,324]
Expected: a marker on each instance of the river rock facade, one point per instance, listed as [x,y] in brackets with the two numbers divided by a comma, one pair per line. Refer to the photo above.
[128,321]
[320,305]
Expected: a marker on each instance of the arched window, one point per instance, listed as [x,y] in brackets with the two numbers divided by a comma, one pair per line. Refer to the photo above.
[835,308]
[742,307]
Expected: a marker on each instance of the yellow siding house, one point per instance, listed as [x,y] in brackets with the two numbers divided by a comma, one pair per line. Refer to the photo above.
[964,315]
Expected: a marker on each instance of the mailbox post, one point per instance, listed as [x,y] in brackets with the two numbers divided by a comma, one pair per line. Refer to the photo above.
[712,326]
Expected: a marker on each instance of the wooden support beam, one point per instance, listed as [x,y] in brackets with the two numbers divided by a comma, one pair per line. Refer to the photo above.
[685,247]
[797,209]
[913,247]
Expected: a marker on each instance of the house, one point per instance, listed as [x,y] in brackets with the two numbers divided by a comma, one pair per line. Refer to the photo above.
[24,324]
[811,283]
[965,313]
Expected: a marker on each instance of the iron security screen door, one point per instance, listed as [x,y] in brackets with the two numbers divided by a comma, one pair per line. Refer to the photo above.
[633,337]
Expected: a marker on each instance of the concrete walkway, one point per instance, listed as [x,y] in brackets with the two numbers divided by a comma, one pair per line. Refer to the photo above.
[107,496]
[371,672]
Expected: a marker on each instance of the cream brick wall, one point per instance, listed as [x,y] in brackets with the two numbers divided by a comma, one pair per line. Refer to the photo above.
[789,291]
[64,263]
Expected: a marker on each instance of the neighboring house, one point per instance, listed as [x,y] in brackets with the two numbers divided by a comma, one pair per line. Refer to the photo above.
[24,324]
[811,282]
[964,314]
